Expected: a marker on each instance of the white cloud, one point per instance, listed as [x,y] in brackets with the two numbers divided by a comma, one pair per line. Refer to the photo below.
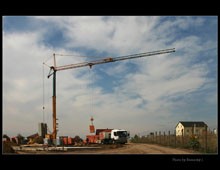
[117,70]
[116,35]
[164,76]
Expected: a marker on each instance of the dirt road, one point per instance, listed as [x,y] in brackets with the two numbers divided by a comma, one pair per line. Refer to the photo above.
[134,148]
[129,148]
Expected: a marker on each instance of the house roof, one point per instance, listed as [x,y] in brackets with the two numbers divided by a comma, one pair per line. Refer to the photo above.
[191,124]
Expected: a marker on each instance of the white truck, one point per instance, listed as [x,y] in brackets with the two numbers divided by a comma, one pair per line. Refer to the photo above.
[114,136]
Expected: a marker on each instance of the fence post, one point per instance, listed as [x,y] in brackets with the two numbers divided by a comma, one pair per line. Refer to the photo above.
[206,138]
[182,138]
[156,136]
[175,137]
[159,137]
[153,138]
[168,138]
[164,143]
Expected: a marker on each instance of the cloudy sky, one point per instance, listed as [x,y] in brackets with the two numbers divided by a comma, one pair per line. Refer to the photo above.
[141,95]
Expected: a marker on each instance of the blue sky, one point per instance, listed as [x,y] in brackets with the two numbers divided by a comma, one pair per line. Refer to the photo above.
[140,95]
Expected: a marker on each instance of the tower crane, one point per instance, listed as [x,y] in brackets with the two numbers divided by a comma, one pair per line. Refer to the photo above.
[54,69]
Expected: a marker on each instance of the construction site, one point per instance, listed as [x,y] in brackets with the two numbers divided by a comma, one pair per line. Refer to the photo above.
[98,140]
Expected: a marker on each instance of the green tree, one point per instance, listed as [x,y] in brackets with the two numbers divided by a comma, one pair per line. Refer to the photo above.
[135,138]
[7,137]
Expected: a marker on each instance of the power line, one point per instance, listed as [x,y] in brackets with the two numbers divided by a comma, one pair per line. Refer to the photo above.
[69,55]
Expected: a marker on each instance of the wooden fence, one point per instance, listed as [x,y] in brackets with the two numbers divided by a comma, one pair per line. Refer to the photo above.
[205,143]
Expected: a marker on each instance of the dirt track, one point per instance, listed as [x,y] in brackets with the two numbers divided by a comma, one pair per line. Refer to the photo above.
[132,148]
[129,148]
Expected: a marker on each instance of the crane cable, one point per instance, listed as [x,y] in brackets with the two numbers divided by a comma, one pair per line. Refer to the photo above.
[90,75]
[75,55]
[92,93]
[43,93]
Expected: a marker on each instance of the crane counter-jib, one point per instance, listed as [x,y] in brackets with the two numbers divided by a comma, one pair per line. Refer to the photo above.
[54,69]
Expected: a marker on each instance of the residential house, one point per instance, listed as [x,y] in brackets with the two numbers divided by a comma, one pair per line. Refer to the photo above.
[185,128]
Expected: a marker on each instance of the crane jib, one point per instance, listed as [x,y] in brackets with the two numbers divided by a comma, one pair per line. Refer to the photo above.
[110,59]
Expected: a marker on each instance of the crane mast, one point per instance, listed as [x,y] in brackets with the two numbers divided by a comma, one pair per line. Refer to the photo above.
[54,69]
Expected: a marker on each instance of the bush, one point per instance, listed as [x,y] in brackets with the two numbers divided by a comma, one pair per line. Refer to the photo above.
[194,144]
[135,139]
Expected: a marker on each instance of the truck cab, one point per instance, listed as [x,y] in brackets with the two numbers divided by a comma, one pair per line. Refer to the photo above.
[119,136]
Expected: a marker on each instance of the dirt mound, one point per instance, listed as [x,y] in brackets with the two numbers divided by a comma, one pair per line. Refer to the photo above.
[7,147]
